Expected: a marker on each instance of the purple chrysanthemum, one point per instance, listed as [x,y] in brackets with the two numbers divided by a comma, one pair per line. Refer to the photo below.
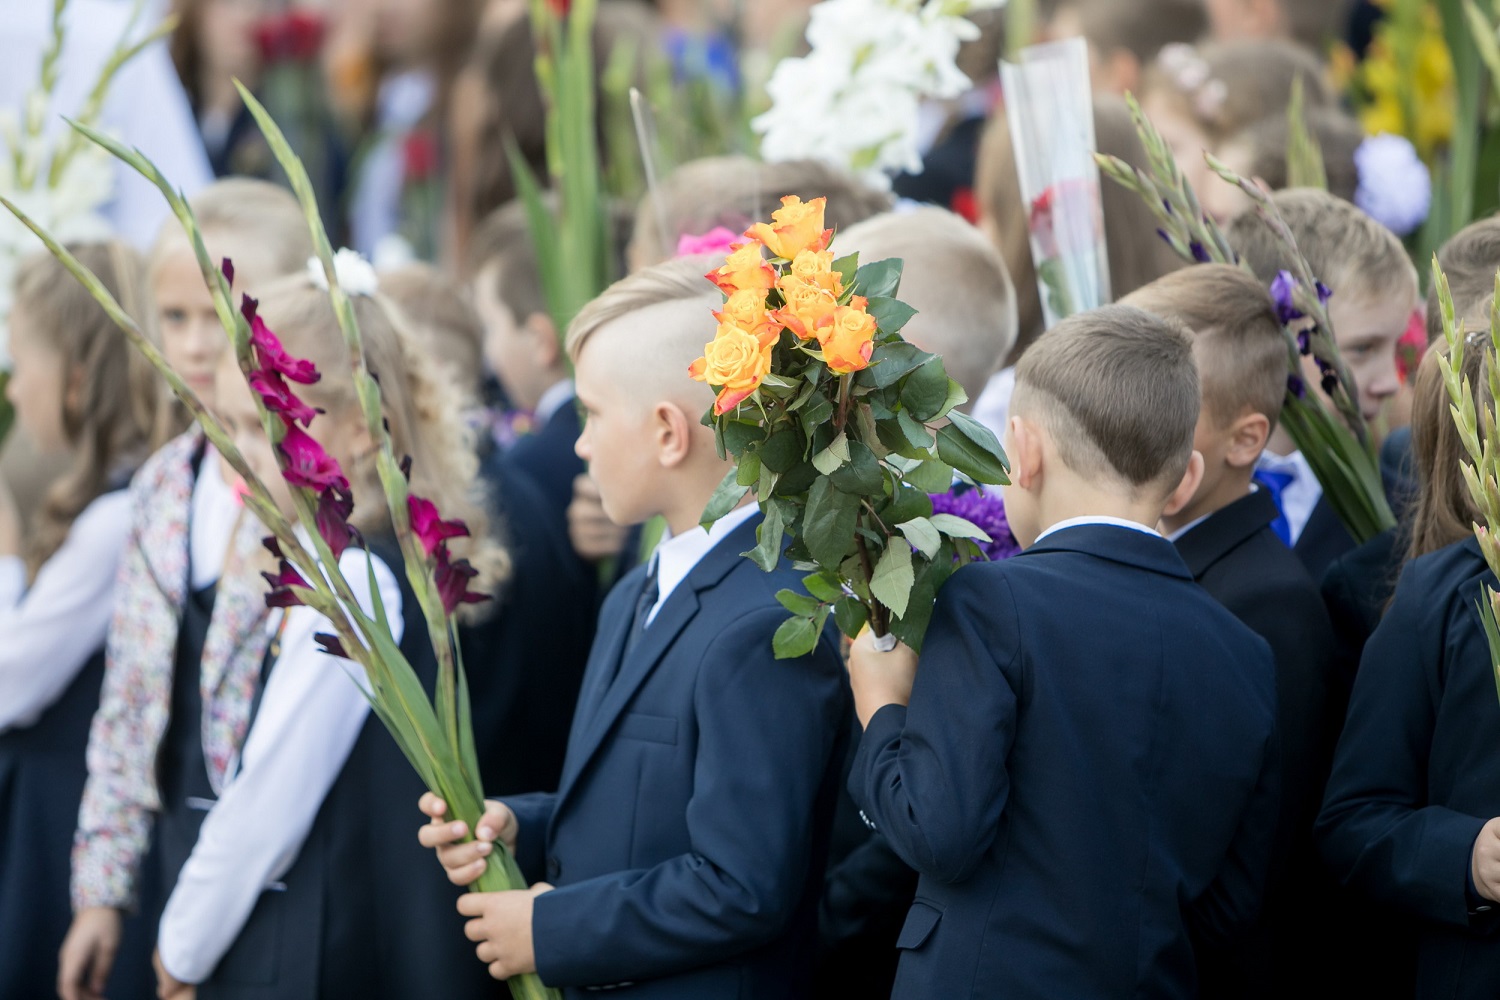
[986,511]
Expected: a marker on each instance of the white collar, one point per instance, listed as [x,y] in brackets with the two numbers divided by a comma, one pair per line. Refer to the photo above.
[675,557]
[1119,522]
[554,399]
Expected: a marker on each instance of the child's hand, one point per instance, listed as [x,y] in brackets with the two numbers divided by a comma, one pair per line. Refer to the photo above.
[88,953]
[167,987]
[502,928]
[879,679]
[1484,866]
[465,861]
[594,536]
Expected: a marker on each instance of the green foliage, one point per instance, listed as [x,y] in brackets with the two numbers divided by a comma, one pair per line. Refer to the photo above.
[1304,157]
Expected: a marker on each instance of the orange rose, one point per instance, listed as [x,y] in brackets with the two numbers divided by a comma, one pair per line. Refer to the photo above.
[807,306]
[816,268]
[794,227]
[736,362]
[744,269]
[848,338]
[747,310]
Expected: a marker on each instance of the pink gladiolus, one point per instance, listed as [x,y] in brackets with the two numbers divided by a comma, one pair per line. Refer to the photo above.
[269,353]
[277,397]
[332,645]
[306,464]
[227,266]
[281,594]
[717,241]
[332,517]
[452,580]
[430,529]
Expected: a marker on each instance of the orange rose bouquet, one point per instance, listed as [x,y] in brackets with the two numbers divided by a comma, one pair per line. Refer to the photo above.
[841,429]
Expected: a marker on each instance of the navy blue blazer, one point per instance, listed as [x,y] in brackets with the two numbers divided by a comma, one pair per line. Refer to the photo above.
[1417,772]
[1086,775]
[547,456]
[688,836]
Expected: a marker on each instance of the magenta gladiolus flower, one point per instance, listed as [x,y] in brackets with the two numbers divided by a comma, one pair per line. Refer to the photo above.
[281,594]
[430,529]
[227,266]
[332,517]
[269,353]
[452,580]
[306,464]
[332,645]
[278,398]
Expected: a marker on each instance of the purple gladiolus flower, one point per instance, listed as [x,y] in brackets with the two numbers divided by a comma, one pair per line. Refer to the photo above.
[277,397]
[1330,382]
[306,463]
[1283,290]
[452,580]
[986,511]
[227,266]
[332,519]
[431,530]
[1166,237]
[1200,252]
[281,594]
[269,353]
[1296,386]
[332,645]
[1304,342]
[1324,292]
[273,546]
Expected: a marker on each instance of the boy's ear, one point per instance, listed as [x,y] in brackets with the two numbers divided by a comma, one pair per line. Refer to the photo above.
[543,332]
[1024,449]
[673,430]
[1192,478]
[1247,439]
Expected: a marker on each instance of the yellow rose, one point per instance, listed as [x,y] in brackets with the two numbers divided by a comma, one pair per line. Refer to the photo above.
[747,310]
[794,227]
[744,269]
[807,306]
[816,268]
[848,339]
[736,362]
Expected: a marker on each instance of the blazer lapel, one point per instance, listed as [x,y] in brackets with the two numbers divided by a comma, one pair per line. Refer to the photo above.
[603,665]
[1224,530]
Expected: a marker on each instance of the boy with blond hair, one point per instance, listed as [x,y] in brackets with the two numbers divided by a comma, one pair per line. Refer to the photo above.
[1224,536]
[1082,796]
[684,848]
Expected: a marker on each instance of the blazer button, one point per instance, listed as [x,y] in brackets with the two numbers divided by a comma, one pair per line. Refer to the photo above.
[554,868]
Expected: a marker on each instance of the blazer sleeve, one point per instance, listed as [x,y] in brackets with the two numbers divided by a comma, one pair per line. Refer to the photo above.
[1377,831]
[533,813]
[931,776]
[766,734]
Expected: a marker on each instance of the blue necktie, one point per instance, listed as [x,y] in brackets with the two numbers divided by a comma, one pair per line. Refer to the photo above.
[1276,483]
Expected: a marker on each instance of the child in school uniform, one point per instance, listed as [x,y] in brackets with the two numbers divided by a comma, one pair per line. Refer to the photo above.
[1374,290]
[1224,536]
[71,388]
[1409,820]
[298,884]
[187,542]
[1083,766]
[683,852]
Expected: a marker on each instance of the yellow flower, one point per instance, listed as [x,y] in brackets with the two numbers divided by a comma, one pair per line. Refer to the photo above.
[794,227]
[848,338]
[736,362]
[816,268]
[1383,115]
[747,310]
[744,269]
[807,306]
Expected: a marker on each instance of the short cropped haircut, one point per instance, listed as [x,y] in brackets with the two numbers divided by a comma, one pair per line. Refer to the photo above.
[1240,347]
[736,192]
[679,280]
[1348,251]
[1470,259]
[1338,136]
[503,241]
[955,279]
[1143,27]
[1117,390]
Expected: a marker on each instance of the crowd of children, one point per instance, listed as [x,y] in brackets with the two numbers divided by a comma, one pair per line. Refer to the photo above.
[1192,740]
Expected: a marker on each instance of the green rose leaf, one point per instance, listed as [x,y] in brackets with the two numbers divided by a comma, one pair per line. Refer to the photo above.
[862,475]
[916,433]
[799,604]
[782,450]
[891,585]
[931,476]
[741,434]
[835,455]
[925,391]
[908,503]
[922,534]
[912,626]
[956,397]
[748,473]
[880,279]
[889,362]
[956,527]
[825,588]
[850,615]
[828,523]
[971,448]
[890,314]
[725,498]
[796,637]
[767,551]
[847,268]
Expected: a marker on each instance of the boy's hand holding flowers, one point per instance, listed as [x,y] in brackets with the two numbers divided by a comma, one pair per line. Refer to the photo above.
[502,928]
[879,679]
[464,861]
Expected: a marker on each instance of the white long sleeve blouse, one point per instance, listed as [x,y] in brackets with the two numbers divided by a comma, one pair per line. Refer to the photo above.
[310,716]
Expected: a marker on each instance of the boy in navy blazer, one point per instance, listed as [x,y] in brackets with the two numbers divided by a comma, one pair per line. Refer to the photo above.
[1082,769]
[1224,536]
[684,849]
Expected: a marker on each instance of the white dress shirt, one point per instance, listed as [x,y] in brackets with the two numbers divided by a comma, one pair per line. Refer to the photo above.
[557,396]
[49,632]
[1301,495]
[310,715]
[1118,522]
[675,557]
[147,107]
[215,511]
